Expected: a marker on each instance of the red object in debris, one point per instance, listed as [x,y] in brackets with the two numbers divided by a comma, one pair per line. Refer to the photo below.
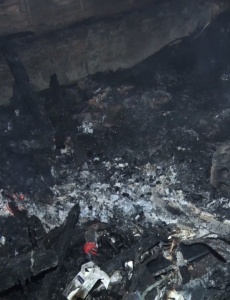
[21,197]
[90,248]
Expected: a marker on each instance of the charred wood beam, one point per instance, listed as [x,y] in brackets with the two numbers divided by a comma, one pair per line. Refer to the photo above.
[20,268]
[66,236]
[49,290]
[60,238]
[33,223]
[25,86]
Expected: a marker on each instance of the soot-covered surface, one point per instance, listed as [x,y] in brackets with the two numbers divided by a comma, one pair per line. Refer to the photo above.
[134,149]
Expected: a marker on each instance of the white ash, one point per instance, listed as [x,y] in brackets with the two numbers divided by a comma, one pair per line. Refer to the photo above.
[86,127]
[147,192]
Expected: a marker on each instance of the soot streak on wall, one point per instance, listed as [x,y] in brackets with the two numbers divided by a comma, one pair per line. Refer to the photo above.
[96,45]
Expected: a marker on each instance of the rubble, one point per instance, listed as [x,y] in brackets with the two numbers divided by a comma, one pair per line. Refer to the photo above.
[122,192]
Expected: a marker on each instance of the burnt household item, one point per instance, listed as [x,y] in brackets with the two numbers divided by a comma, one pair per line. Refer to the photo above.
[85,280]
[217,247]
[91,237]
[90,249]
[142,281]
[142,246]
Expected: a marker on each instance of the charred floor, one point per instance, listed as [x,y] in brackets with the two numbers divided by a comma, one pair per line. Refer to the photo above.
[134,162]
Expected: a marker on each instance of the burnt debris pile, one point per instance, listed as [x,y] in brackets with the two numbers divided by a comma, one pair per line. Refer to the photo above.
[118,187]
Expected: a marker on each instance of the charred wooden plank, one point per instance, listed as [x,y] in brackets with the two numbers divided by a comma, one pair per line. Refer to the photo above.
[19,268]
[49,288]
[59,238]
[68,230]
